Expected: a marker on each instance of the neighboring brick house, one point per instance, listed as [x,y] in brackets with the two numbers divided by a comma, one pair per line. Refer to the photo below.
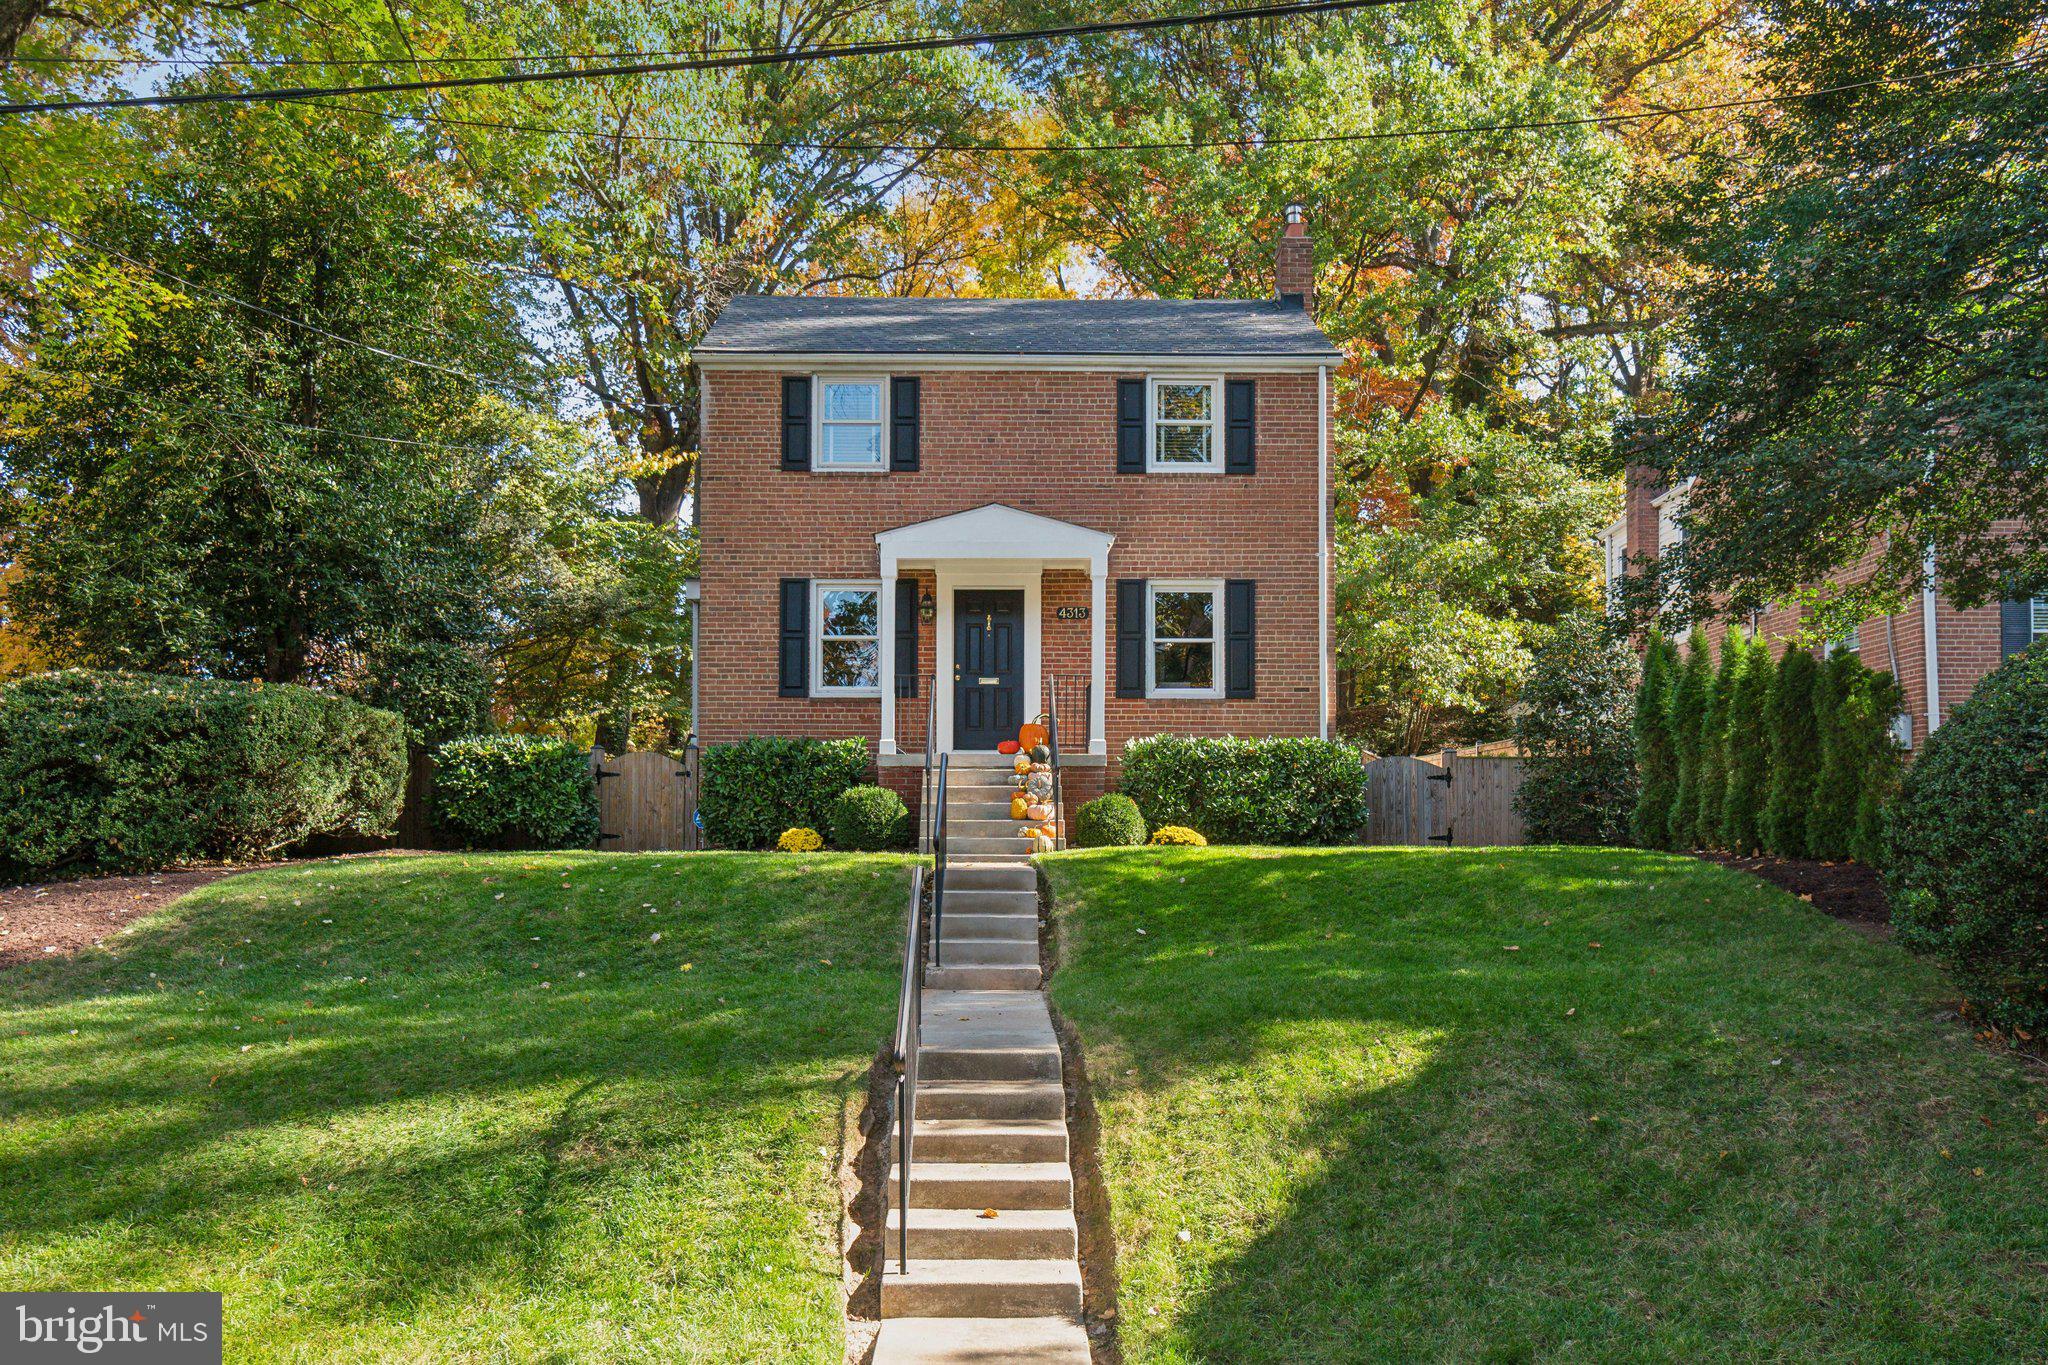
[1956,646]
[1123,499]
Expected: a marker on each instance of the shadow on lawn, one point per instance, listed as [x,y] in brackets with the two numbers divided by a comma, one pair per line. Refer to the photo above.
[1554,1102]
[442,1115]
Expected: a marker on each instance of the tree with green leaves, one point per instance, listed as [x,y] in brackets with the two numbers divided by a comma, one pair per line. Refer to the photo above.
[1438,611]
[1795,753]
[1656,752]
[1575,721]
[1749,750]
[234,489]
[1692,693]
[1863,328]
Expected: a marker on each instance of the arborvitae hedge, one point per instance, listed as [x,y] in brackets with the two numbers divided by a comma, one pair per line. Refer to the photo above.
[1864,733]
[1691,695]
[1714,743]
[1795,754]
[1656,758]
[1831,818]
[1749,750]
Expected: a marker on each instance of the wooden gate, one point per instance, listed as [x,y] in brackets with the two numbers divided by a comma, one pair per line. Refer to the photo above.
[1465,799]
[646,802]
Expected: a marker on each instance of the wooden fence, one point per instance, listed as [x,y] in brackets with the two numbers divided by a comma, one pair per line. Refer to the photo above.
[1456,797]
[646,801]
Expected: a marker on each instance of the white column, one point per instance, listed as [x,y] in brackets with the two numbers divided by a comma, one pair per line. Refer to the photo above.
[885,654]
[1098,575]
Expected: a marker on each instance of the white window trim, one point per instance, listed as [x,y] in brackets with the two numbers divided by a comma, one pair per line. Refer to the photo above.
[819,587]
[1213,586]
[818,383]
[1214,464]
[2037,618]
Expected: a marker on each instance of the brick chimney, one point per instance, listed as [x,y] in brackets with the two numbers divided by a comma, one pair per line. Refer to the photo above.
[1294,269]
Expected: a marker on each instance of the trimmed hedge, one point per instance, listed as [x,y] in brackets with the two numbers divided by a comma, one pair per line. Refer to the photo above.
[1656,752]
[515,791]
[1966,844]
[753,789]
[870,820]
[1109,821]
[1248,791]
[126,772]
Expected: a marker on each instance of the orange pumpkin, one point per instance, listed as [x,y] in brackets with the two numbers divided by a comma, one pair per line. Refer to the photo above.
[1031,734]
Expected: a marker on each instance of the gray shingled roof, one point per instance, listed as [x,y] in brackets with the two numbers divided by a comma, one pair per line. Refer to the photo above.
[761,324]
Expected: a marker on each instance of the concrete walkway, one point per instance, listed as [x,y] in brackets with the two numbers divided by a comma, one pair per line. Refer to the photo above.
[994,1274]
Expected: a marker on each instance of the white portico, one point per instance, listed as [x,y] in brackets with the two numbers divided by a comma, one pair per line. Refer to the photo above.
[992,547]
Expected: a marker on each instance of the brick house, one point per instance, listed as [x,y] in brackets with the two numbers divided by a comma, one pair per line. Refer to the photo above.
[1933,638]
[1117,504]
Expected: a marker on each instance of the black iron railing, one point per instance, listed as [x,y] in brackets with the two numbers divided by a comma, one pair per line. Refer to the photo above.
[909,1039]
[939,865]
[1052,744]
[926,819]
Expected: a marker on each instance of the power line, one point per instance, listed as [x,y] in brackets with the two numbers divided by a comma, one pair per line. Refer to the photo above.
[446,59]
[1246,141]
[722,62]
[184,283]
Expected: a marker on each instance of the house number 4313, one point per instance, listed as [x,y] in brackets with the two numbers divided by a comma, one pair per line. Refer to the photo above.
[1071,614]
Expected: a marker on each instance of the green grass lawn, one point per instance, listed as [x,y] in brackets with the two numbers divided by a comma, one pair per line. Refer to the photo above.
[1538,1104]
[564,1106]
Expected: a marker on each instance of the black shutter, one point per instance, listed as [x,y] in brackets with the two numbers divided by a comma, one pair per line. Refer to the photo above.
[1130,637]
[2015,626]
[1130,426]
[1240,637]
[796,421]
[903,427]
[1240,435]
[906,635]
[793,652]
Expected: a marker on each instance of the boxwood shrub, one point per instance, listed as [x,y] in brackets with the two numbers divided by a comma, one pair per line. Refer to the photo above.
[1248,791]
[1109,821]
[515,791]
[870,820]
[1966,844]
[753,789]
[125,772]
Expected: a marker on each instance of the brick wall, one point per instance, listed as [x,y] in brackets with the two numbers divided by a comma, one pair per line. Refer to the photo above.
[1042,442]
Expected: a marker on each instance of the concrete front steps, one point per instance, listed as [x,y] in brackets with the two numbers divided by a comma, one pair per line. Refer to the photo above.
[993,1273]
[988,939]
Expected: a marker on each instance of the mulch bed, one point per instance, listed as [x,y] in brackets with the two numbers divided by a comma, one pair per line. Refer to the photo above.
[53,918]
[1848,891]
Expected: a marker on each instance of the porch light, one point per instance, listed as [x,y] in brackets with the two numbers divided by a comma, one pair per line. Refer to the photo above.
[927,608]
[1295,213]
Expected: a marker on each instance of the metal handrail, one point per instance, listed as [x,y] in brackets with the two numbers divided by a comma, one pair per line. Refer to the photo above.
[1052,744]
[925,821]
[939,866]
[909,1041]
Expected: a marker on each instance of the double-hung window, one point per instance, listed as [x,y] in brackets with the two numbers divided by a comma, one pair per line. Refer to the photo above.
[1182,421]
[849,625]
[1183,638]
[2038,617]
[851,419]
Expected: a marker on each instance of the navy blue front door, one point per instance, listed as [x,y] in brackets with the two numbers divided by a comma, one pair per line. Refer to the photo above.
[988,667]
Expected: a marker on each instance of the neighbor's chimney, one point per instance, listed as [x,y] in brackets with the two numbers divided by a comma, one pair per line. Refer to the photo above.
[1294,270]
